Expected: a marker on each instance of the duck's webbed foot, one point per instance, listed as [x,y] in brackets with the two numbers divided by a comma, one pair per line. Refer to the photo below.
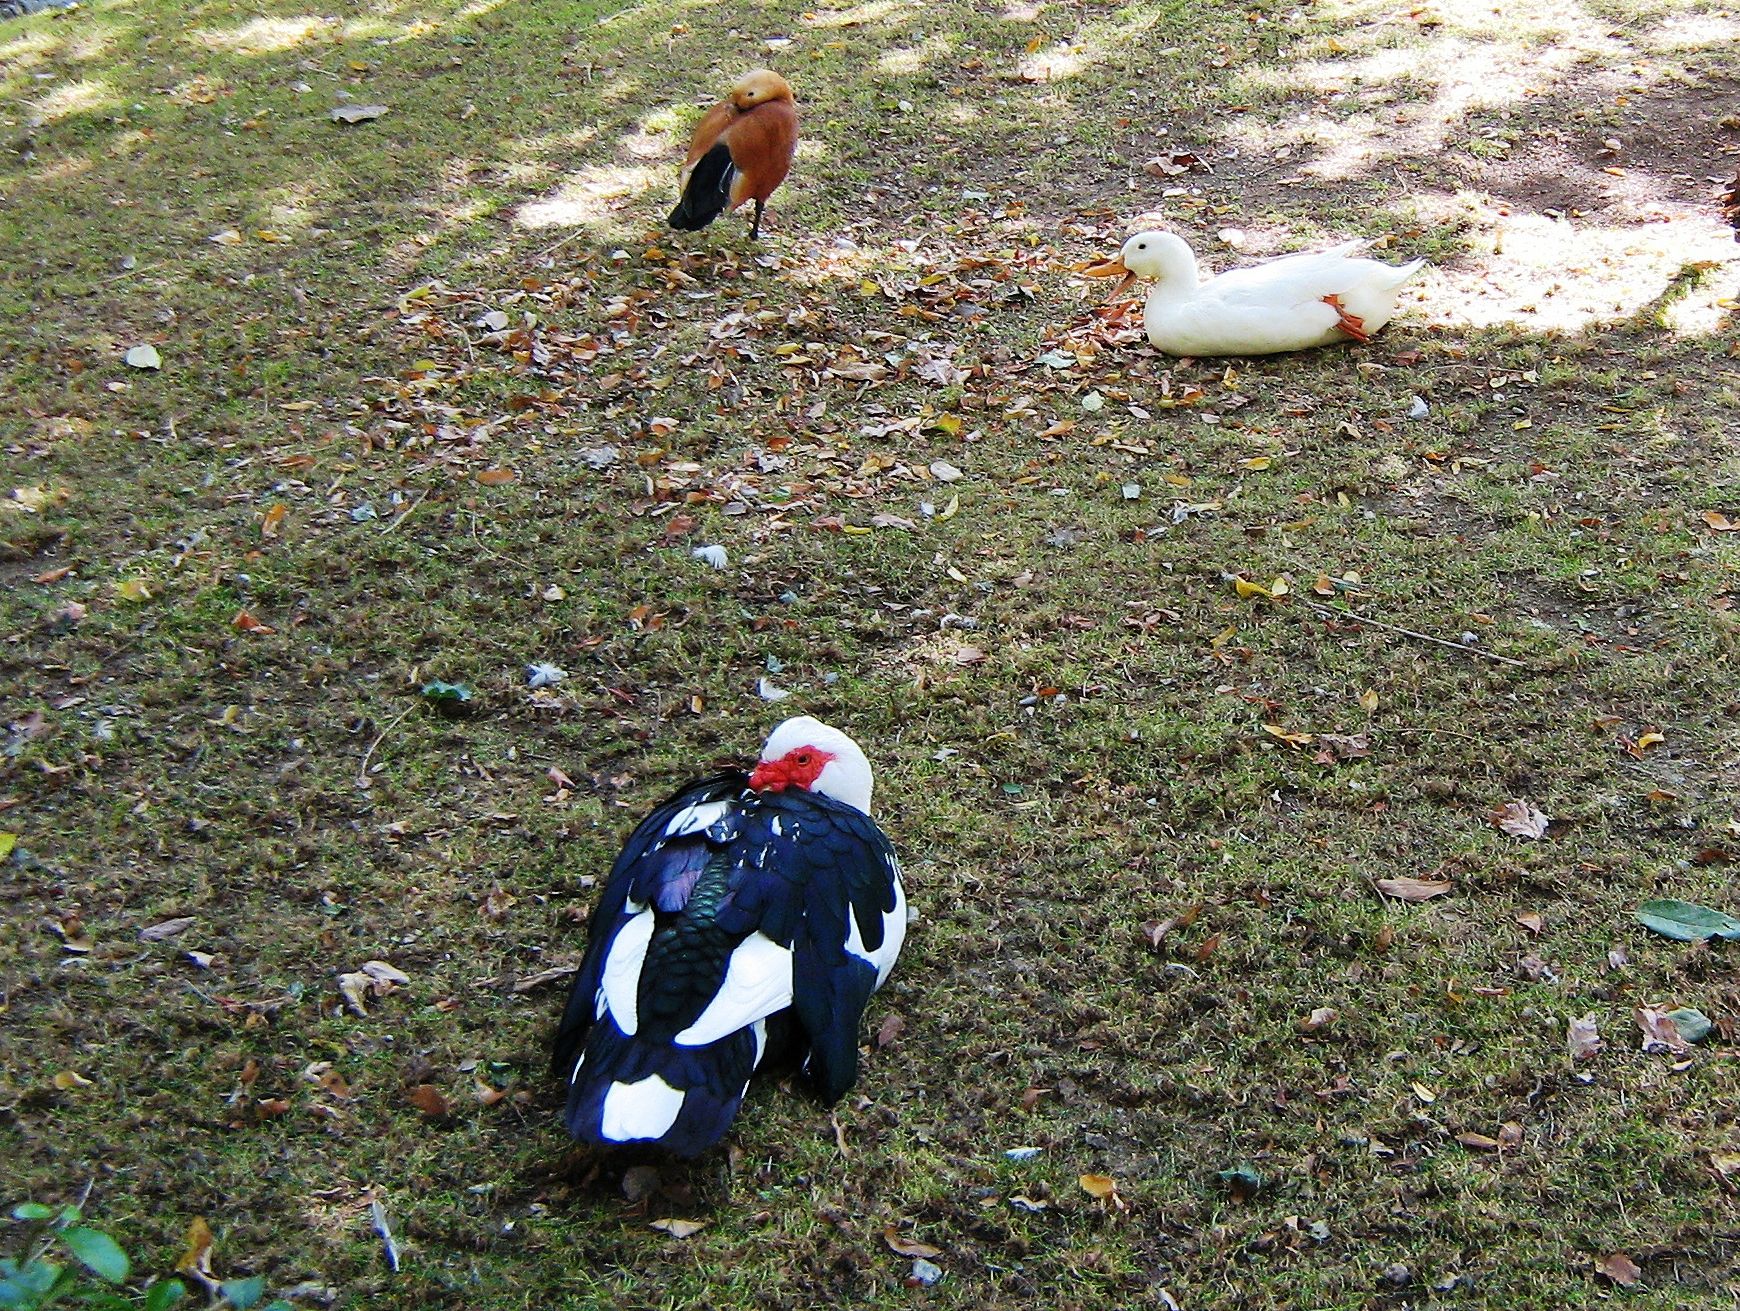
[1351,324]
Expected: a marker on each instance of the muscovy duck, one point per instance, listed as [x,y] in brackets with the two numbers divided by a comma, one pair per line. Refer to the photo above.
[747,911]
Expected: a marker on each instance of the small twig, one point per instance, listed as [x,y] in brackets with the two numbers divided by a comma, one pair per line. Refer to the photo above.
[1333,613]
[478,543]
[362,772]
[406,512]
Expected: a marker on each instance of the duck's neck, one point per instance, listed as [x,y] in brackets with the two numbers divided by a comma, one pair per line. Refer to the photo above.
[1176,278]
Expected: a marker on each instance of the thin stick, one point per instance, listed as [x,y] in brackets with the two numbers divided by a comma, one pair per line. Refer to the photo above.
[362,771]
[406,512]
[1333,613]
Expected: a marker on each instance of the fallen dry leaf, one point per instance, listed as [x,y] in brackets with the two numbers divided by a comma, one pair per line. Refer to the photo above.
[1101,1186]
[1582,1038]
[496,477]
[1533,921]
[167,929]
[891,1029]
[904,1246]
[1520,820]
[427,1098]
[679,1228]
[1412,889]
[1619,1267]
[1660,1033]
[1321,1018]
[1478,1142]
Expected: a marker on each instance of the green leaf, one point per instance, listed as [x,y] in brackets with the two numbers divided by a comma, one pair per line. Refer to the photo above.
[1693,1024]
[1243,1179]
[7,842]
[28,1286]
[439,691]
[1684,922]
[99,1253]
[32,1211]
[163,1294]
[243,1293]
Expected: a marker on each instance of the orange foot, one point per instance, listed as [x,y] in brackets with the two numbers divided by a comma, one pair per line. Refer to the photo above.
[1351,324]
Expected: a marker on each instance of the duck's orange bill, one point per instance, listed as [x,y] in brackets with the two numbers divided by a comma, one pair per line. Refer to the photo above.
[1112,268]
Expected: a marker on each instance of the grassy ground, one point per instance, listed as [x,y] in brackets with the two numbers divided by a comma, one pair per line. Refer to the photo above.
[1079,725]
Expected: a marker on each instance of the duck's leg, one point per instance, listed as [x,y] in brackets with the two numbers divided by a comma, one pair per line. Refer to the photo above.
[755,227]
[1351,324]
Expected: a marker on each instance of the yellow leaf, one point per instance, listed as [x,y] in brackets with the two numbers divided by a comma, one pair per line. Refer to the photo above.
[1291,739]
[67,1080]
[1279,587]
[1649,740]
[957,575]
[1220,638]
[196,1255]
[1034,44]
[7,842]
[1247,589]
[1258,462]
[1101,1186]
[134,589]
[868,287]
[274,517]
[854,530]
[1368,700]
[950,510]
[1424,1093]
[949,423]
[1178,479]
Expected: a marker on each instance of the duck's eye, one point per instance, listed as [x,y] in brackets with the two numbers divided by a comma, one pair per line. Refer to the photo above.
[803,757]
[1141,245]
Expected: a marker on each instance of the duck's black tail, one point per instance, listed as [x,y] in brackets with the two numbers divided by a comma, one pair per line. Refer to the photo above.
[708,191]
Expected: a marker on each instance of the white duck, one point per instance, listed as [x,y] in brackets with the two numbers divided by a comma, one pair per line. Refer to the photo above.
[1286,304]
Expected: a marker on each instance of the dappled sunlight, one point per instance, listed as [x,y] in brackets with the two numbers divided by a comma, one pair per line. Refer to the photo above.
[1096,43]
[593,197]
[875,11]
[73,98]
[1385,88]
[1691,32]
[909,61]
[27,51]
[1551,274]
[262,36]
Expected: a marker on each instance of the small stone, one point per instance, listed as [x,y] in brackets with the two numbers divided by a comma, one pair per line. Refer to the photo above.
[1398,1275]
[926,1272]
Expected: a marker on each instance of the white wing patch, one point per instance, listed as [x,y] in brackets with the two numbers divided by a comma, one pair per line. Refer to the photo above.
[757,984]
[646,1109]
[697,818]
[893,933]
[621,983]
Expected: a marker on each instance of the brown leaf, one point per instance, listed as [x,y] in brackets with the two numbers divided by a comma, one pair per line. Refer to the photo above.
[1478,1142]
[274,520]
[427,1098]
[1619,1267]
[167,929]
[891,1029]
[1582,1038]
[1101,1186]
[1660,1033]
[1412,889]
[1533,921]
[495,477]
[248,624]
[1030,1098]
[679,1228]
[903,1246]
[486,1095]
[1721,522]
[1207,949]
[1321,1018]
[1520,820]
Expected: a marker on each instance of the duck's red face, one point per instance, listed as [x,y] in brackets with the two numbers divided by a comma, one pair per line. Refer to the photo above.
[795,769]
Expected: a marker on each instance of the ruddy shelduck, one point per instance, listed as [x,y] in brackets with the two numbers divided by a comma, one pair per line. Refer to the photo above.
[742,151]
